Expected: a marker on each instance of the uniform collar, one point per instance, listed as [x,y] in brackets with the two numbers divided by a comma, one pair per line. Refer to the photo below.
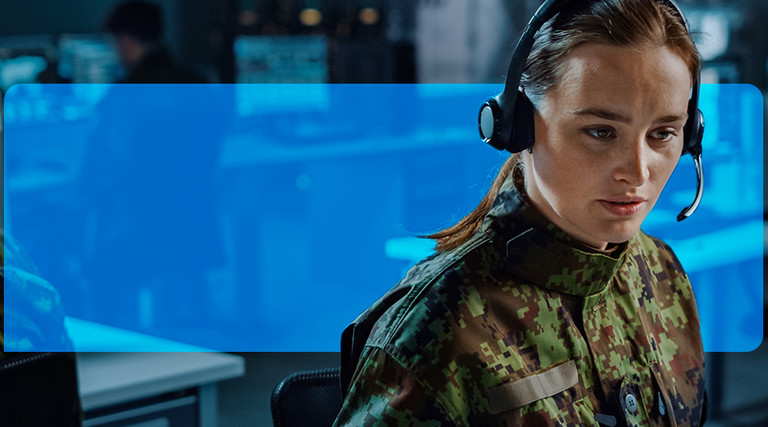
[538,251]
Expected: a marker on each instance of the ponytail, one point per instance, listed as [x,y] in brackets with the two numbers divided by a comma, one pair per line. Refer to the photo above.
[456,235]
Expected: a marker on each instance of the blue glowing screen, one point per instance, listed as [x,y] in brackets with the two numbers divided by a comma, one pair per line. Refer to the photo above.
[267,217]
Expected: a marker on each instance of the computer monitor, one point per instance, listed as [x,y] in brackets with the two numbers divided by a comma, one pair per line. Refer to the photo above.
[23,58]
[281,59]
[88,58]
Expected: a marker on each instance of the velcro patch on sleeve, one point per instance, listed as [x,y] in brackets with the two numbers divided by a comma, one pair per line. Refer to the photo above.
[521,392]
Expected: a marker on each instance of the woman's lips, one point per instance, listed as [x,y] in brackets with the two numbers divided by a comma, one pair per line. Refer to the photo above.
[622,206]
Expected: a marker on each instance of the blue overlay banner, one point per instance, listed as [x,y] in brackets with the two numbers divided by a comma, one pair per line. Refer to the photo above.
[262,217]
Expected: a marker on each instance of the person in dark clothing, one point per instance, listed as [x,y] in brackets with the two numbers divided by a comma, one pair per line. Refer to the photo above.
[138,30]
[149,184]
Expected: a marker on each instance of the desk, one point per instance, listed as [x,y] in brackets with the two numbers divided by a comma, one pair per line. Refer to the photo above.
[120,386]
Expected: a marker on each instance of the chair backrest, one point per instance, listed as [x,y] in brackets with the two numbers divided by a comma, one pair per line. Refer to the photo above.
[39,389]
[307,398]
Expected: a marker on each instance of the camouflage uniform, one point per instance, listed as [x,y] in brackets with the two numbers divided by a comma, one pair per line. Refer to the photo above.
[523,325]
[39,324]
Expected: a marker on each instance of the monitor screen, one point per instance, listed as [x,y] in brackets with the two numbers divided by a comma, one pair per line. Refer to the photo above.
[23,58]
[281,59]
[88,58]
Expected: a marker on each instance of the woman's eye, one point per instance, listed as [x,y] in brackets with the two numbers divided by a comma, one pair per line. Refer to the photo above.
[600,133]
[663,135]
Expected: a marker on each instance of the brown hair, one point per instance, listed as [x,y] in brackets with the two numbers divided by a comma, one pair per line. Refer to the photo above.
[615,22]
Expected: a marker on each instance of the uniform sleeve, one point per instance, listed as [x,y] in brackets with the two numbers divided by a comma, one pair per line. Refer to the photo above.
[384,393]
[33,319]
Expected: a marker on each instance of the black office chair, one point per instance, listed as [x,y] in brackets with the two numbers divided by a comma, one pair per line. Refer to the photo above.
[307,399]
[39,389]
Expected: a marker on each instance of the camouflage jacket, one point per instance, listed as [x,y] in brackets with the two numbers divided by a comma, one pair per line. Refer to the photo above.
[35,319]
[523,325]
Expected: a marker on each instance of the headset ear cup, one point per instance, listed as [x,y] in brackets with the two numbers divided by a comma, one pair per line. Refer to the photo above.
[491,125]
[694,134]
[523,134]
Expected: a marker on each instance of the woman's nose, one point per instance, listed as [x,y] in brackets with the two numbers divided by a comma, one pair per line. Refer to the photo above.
[632,164]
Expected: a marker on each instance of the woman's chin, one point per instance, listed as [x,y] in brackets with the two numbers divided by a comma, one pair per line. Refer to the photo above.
[622,234]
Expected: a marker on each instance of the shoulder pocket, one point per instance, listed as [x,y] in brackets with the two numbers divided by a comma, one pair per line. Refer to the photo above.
[521,392]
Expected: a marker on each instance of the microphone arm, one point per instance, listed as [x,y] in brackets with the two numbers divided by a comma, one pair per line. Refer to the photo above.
[685,213]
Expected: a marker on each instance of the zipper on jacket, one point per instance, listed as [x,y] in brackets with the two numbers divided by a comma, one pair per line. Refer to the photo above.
[11,362]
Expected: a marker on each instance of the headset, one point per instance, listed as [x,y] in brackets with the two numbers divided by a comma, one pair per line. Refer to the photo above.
[506,121]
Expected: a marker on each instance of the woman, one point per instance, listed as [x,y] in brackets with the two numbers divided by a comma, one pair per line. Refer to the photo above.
[547,305]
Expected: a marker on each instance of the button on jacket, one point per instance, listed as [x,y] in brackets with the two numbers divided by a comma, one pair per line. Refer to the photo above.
[523,325]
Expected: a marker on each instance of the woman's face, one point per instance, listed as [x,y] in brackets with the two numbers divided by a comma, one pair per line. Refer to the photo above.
[608,136]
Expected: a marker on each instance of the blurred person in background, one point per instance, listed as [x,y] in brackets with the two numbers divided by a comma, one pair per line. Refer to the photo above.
[137,27]
[148,179]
